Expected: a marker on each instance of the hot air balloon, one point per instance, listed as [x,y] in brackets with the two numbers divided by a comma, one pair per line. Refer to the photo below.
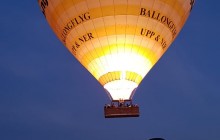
[117,41]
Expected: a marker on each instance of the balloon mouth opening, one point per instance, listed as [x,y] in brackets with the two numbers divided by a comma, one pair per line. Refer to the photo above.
[121,89]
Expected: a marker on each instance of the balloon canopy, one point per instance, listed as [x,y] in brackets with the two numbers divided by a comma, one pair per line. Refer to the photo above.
[117,41]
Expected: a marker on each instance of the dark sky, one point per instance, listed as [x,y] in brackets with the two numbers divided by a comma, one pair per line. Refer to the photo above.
[45,94]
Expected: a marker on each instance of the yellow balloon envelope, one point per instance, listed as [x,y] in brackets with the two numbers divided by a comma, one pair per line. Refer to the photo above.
[117,41]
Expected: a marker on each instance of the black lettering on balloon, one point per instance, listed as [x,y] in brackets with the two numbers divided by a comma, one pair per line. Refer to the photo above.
[154,36]
[157,38]
[163,43]
[143,12]
[73,23]
[90,35]
[44,5]
[165,20]
[147,33]
[192,4]
[78,42]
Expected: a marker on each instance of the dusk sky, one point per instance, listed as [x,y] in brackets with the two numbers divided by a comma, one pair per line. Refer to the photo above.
[45,94]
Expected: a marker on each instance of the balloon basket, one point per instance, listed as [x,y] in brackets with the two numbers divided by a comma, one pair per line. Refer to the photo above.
[121,110]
